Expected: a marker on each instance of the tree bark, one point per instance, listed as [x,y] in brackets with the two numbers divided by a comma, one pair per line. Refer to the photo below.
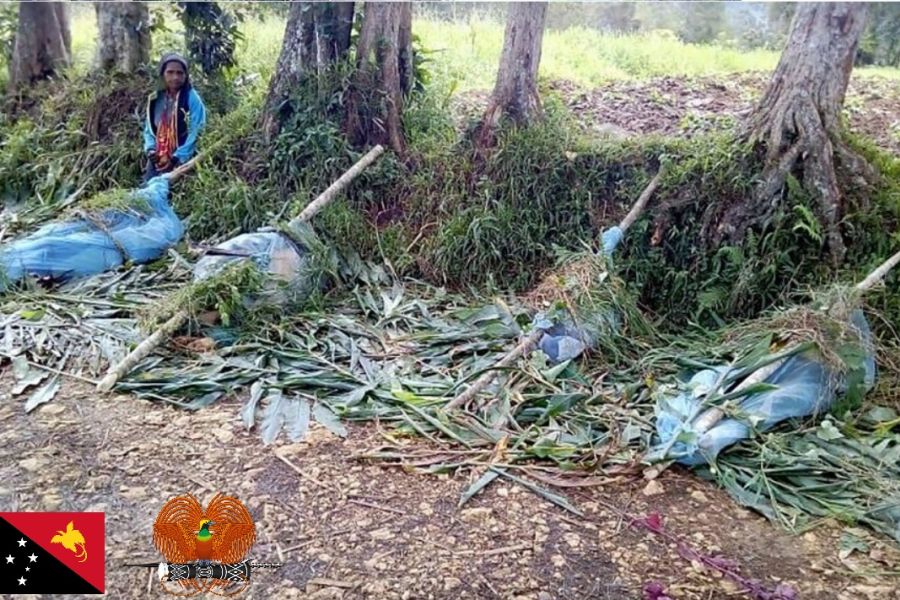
[515,93]
[333,23]
[317,36]
[405,49]
[124,32]
[43,45]
[375,103]
[798,120]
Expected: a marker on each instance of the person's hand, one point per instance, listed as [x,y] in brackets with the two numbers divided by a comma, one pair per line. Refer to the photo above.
[163,163]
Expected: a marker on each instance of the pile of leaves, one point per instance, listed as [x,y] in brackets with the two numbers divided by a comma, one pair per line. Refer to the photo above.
[838,469]
[397,352]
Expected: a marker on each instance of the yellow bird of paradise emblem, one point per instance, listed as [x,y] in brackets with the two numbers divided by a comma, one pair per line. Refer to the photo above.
[71,539]
[186,533]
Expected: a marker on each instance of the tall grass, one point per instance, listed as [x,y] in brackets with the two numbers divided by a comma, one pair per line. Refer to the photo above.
[465,55]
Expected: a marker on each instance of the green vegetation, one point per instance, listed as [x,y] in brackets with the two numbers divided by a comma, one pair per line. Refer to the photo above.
[494,223]
[524,218]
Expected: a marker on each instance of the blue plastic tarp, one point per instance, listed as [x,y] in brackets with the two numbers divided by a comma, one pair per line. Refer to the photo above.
[803,386]
[66,250]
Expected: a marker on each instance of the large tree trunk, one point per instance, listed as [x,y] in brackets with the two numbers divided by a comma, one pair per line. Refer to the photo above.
[515,93]
[405,49]
[333,23]
[798,119]
[383,72]
[124,32]
[43,43]
[317,36]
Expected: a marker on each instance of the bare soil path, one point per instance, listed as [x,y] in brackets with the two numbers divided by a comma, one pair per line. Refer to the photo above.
[346,527]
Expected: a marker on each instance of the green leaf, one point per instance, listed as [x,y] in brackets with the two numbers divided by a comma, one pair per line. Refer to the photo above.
[35,314]
[298,421]
[476,487]
[329,420]
[25,375]
[850,543]
[43,395]
[828,432]
[273,418]
[881,414]
[408,397]
[552,373]
[248,414]
[556,499]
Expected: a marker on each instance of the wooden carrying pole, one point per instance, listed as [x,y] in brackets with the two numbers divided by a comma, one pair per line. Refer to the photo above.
[713,415]
[147,346]
[528,344]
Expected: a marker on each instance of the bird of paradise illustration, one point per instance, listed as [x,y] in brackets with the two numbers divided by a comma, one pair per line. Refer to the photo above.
[71,539]
[185,533]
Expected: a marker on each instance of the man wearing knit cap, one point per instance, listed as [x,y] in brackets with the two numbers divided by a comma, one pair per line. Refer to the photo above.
[175,117]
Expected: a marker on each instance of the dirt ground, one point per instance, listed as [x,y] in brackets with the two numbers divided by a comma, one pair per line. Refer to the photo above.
[345,527]
[684,107]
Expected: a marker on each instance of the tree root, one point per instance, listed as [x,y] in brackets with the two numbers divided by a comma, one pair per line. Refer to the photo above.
[797,144]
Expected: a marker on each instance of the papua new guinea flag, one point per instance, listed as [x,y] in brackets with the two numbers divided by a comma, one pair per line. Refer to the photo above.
[52,553]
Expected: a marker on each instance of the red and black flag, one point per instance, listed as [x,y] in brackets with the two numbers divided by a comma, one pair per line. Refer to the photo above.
[52,553]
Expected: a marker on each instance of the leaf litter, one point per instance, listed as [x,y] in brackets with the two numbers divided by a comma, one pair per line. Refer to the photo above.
[396,352]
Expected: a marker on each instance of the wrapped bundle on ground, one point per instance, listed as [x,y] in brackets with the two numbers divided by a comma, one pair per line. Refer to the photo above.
[138,227]
[794,365]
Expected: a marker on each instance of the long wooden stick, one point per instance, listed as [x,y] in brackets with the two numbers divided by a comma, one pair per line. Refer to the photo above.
[642,200]
[143,349]
[528,344]
[524,347]
[878,274]
[715,414]
[329,194]
[180,170]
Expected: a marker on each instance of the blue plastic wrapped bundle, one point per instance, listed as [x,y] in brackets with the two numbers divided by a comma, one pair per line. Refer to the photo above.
[801,385]
[79,248]
[286,258]
[566,340]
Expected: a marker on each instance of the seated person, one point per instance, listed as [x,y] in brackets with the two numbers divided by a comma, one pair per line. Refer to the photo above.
[175,117]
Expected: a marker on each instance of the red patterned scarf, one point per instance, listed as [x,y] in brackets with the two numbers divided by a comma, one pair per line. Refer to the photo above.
[167,130]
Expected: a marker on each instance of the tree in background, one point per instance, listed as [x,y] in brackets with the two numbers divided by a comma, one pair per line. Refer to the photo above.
[618,17]
[382,77]
[124,36]
[797,121]
[880,44]
[701,22]
[515,94]
[43,44]
[210,35]
[317,35]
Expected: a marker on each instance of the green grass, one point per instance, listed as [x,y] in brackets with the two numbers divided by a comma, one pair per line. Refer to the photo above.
[465,55]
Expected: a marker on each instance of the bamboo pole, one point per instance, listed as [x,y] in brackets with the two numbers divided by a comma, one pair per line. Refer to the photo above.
[528,344]
[147,346]
[878,274]
[141,351]
[713,415]
[642,200]
[325,198]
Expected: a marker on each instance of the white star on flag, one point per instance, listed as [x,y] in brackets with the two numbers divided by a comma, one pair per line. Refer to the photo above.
[33,557]
[9,559]
[21,581]
[21,542]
